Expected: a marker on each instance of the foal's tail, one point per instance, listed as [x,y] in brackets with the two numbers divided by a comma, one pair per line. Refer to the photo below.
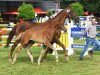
[10,36]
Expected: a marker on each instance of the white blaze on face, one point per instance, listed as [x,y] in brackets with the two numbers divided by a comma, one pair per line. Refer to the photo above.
[68,10]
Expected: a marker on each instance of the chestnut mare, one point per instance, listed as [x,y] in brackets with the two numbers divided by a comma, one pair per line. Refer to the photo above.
[59,18]
[44,36]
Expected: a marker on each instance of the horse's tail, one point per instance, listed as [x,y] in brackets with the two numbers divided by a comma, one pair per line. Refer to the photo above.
[10,36]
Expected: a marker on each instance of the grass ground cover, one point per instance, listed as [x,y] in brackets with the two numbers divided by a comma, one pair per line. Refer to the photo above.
[23,65]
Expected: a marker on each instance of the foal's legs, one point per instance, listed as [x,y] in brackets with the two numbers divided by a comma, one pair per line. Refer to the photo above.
[41,55]
[56,54]
[16,54]
[47,49]
[60,44]
[49,45]
[12,49]
[30,43]
[64,48]
[30,54]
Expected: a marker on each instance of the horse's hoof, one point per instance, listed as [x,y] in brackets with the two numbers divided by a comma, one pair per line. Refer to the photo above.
[67,59]
[43,60]
[12,63]
[57,61]
[32,61]
[10,60]
[38,63]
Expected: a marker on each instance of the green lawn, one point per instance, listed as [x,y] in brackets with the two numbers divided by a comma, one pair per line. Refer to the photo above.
[23,65]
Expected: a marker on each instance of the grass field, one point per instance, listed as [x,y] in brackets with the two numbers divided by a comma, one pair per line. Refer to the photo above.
[23,65]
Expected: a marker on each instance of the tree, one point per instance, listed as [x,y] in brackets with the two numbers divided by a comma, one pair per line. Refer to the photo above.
[65,3]
[88,5]
[49,13]
[91,5]
[78,8]
[26,11]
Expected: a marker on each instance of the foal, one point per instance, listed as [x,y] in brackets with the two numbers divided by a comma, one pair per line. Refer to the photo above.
[44,36]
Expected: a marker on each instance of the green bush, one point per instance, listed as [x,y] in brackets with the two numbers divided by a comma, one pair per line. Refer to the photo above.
[49,13]
[78,8]
[26,11]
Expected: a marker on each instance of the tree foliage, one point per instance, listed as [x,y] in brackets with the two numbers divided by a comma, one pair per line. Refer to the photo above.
[26,11]
[91,5]
[49,13]
[65,3]
[88,5]
[78,8]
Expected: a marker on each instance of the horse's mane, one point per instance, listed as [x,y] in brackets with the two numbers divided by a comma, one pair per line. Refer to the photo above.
[49,20]
[58,14]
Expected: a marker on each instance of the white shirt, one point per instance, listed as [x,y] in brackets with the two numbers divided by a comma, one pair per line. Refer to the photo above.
[91,30]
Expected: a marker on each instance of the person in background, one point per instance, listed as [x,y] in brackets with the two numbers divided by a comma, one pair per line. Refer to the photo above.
[91,38]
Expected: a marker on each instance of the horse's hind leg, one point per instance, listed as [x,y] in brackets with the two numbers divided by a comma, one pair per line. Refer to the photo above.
[45,52]
[30,54]
[12,49]
[16,54]
[30,43]
[64,48]
[41,55]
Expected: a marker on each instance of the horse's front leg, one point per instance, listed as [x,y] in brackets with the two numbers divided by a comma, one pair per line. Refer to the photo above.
[64,48]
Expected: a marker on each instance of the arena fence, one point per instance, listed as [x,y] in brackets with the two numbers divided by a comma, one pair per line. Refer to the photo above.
[73,32]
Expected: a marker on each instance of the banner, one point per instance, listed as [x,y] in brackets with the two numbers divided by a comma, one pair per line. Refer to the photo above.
[77,32]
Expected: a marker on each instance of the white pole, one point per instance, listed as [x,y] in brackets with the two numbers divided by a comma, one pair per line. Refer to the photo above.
[70,40]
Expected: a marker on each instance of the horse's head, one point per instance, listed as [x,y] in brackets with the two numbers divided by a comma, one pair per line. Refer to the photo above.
[71,14]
